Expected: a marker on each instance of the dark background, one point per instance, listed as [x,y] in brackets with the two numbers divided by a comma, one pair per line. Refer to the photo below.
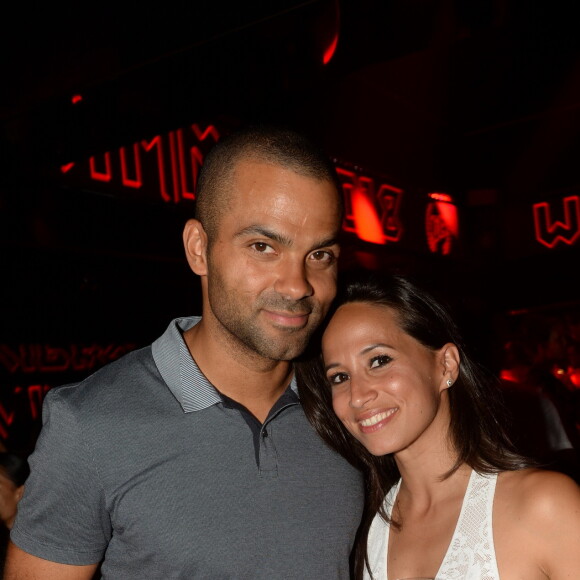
[476,98]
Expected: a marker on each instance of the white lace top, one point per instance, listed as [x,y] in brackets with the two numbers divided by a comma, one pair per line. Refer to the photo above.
[471,554]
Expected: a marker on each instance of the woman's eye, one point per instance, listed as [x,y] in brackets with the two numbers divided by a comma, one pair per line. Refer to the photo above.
[380,361]
[337,378]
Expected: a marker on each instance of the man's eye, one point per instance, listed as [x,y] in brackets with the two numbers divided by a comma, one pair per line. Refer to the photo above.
[337,378]
[322,256]
[262,247]
[379,361]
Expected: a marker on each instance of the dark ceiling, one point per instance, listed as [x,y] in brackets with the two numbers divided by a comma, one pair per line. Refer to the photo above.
[470,93]
[476,97]
[425,80]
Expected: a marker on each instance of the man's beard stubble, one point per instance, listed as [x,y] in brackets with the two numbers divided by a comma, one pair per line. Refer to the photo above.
[249,335]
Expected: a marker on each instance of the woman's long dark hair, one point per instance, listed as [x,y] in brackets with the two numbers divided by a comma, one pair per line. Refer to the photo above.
[476,424]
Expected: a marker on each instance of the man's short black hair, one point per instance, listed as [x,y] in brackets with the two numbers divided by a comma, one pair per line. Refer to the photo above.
[271,144]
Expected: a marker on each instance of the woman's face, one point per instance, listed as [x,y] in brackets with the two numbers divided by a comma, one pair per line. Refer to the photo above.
[386,385]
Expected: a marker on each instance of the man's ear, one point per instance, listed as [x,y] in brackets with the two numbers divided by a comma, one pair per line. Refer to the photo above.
[450,361]
[195,243]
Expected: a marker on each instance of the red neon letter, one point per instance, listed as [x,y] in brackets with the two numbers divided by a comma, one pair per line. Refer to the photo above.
[366,219]
[137,182]
[550,232]
[7,418]
[348,181]
[441,226]
[156,142]
[174,169]
[98,175]
[35,397]
[195,157]
[203,135]
[389,198]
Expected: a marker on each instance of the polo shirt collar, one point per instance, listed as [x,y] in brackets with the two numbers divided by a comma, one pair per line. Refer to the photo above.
[187,383]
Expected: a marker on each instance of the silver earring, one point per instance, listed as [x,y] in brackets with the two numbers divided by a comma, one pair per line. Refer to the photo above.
[449,382]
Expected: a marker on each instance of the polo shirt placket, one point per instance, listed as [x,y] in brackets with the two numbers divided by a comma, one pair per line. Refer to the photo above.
[195,393]
[267,457]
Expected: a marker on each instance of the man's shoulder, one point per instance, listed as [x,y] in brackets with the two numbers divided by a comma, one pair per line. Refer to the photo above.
[117,379]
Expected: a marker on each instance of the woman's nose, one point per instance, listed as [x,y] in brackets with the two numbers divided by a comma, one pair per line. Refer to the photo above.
[362,392]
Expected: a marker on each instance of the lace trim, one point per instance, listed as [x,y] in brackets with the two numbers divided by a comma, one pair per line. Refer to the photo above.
[471,553]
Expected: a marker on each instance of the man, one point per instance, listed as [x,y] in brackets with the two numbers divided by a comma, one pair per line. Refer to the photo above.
[192,458]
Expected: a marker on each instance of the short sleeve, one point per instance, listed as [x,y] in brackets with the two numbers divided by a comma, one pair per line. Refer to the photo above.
[62,516]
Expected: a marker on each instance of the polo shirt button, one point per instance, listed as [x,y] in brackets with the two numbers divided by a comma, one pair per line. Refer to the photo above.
[264,433]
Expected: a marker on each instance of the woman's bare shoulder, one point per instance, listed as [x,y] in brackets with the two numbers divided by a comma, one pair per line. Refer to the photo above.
[537,514]
[537,492]
[537,487]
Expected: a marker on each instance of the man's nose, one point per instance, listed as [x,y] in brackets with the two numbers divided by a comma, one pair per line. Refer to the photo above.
[292,281]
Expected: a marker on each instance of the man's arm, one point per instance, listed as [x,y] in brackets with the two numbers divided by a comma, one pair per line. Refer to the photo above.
[62,516]
[23,566]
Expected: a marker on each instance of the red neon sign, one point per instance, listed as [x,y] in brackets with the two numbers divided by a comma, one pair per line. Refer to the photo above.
[28,360]
[6,420]
[441,223]
[168,166]
[330,50]
[35,397]
[441,197]
[374,216]
[177,157]
[44,358]
[551,232]
[35,394]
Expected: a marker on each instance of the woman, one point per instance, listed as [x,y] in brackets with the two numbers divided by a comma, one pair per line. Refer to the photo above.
[397,393]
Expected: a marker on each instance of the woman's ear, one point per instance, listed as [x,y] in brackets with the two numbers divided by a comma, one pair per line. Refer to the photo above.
[450,361]
[195,243]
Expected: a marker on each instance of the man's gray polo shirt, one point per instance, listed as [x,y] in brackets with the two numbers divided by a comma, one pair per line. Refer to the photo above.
[145,464]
